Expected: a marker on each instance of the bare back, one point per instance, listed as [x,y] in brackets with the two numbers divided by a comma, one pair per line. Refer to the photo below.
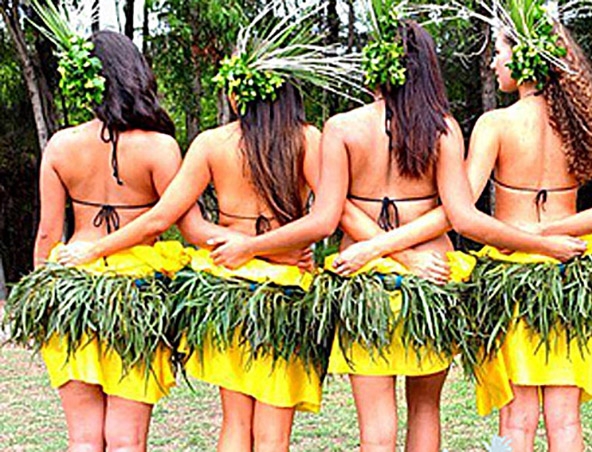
[363,132]
[239,204]
[147,161]
[531,160]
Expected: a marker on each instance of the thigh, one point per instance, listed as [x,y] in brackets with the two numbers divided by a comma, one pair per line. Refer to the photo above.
[127,423]
[376,403]
[237,407]
[84,407]
[561,405]
[272,424]
[425,388]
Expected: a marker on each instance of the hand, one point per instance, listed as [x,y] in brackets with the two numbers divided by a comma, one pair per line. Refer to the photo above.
[354,257]
[563,247]
[429,265]
[75,253]
[302,258]
[231,251]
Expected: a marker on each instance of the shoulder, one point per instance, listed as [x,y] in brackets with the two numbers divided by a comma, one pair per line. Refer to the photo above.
[212,139]
[342,123]
[65,141]
[493,120]
[311,134]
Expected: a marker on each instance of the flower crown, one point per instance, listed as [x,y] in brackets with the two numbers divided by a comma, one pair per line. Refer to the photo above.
[529,23]
[81,81]
[274,49]
[384,58]
[536,27]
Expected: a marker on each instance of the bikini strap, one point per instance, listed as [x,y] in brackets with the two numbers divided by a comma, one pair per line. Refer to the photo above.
[113,138]
[262,223]
[389,218]
[107,213]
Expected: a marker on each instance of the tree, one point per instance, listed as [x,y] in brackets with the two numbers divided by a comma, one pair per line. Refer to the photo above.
[37,85]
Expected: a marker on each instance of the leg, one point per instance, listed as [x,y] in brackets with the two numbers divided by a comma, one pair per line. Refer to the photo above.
[561,409]
[84,407]
[236,434]
[423,412]
[126,425]
[519,419]
[376,404]
[272,427]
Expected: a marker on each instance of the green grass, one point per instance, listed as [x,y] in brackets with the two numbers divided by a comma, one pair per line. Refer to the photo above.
[31,418]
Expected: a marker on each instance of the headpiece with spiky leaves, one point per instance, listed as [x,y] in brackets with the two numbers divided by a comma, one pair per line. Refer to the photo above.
[272,50]
[384,57]
[81,81]
[529,23]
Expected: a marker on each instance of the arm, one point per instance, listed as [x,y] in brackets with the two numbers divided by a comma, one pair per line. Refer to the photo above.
[575,225]
[53,204]
[325,212]
[456,194]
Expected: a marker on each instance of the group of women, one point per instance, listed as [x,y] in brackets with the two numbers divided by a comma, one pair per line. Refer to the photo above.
[391,173]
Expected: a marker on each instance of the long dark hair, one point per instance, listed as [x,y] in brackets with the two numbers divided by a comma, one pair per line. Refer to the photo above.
[416,111]
[569,98]
[273,145]
[130,100]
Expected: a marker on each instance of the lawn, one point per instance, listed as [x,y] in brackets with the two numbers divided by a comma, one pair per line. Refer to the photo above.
[31,417]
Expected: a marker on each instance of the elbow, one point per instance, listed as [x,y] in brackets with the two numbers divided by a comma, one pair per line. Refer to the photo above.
[325,227]
[157,226]
[461,222]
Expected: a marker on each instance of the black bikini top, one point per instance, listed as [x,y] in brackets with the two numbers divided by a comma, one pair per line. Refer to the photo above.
[107,213]
[541,194]
[389,211]
[262,223]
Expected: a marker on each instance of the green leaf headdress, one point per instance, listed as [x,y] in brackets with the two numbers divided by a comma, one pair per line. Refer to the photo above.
[528,23]
[81,81]
[273,49]
[384,57]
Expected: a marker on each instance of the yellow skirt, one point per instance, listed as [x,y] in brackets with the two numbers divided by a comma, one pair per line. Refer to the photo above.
[286,384]
[520,362]
[92,363]
[397,359]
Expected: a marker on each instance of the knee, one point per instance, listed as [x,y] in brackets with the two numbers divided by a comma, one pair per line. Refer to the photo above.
[560,420]
[380,436]
[524,419]
[270,442]
[86,446]
[126,442]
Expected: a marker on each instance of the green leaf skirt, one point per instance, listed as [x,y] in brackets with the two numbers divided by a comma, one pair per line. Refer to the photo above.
[107,322]
[532,320]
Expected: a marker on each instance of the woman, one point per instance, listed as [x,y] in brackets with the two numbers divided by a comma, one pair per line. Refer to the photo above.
[536,182]
[103,168]
[539,150]
[262,168]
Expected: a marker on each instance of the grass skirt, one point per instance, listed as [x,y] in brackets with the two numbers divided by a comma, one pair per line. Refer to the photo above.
[104,323]
[415,336]
[251,330]
[539,324]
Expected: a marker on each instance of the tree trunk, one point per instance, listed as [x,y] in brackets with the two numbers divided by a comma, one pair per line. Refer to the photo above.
[488,98]
[96,8]
[194,114]
[145,29]
[223,108]
[351,21]
[332,37]
[128,11]
[39,93]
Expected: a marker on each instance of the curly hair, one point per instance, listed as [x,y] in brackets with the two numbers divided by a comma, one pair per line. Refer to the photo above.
[569,98]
